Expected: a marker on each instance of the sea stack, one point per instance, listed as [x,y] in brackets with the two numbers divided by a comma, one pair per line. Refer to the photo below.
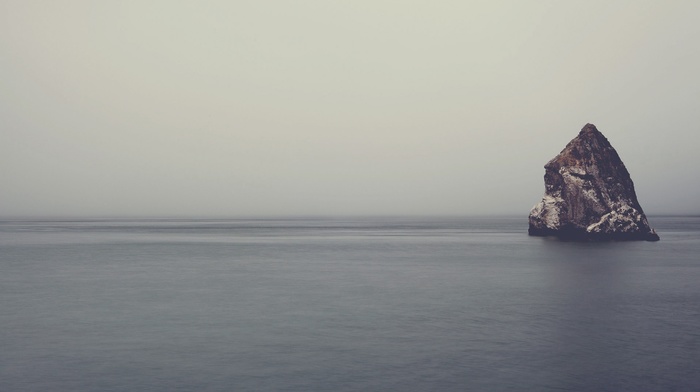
[589,195]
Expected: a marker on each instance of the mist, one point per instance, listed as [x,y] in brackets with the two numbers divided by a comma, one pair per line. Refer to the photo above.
[237,108]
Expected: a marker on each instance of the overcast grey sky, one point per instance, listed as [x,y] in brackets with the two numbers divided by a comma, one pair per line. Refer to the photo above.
[229,108]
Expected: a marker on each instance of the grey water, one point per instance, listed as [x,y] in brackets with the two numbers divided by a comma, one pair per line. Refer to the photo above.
[344,304]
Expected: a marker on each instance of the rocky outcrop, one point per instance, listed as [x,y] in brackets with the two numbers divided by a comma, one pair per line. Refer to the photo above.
[589,195]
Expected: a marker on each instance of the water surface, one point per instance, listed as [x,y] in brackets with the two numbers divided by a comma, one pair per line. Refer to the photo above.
[410,304]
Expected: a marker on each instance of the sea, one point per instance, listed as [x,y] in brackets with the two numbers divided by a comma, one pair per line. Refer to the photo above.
[344,304]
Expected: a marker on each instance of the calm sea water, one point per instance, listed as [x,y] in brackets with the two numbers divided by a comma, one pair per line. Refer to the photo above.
[371,304]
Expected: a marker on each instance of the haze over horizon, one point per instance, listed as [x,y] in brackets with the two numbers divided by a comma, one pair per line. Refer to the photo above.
[218,108]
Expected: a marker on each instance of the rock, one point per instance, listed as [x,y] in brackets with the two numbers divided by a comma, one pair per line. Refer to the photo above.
[589,195]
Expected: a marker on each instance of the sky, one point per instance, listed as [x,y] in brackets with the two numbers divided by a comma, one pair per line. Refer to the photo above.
[263,108]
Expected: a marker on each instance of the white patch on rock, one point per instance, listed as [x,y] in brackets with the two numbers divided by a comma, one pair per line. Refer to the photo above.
[548,211]
[591,194]
[622,219]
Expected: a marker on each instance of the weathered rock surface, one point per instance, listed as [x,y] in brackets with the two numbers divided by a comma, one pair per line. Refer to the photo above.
[589,195]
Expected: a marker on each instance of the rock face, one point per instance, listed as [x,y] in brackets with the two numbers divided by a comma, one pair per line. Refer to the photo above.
[589,195]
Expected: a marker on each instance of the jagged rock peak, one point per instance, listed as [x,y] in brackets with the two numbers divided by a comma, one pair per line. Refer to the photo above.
[589,194]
